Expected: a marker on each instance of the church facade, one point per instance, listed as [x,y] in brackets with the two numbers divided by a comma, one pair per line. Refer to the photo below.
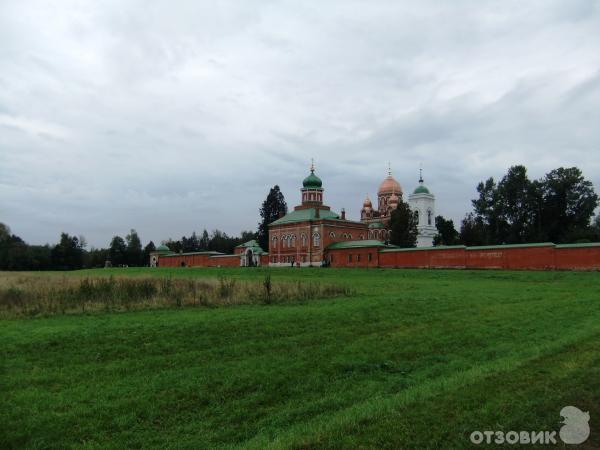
[303,236]
[421,201]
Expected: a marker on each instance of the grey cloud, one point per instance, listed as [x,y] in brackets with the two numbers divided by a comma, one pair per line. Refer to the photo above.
[170,118]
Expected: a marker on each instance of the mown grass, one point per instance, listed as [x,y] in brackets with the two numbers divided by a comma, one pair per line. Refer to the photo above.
[414,359]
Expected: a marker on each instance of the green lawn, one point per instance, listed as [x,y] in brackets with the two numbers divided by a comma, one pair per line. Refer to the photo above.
[413,359]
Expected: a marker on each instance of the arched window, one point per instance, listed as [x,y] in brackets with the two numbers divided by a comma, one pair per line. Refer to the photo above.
[293,240]
[417,216]
[303,239]
[429,218]
[274,241]
[332,234]
[316,240]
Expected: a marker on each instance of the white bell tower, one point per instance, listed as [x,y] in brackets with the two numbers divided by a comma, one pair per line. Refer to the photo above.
[423,202]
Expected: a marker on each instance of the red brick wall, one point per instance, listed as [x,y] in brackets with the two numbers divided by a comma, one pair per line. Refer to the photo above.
[454,257]
[577,258]
[536,258]
[540,257]
[485,258]
[357,257]
[224,261]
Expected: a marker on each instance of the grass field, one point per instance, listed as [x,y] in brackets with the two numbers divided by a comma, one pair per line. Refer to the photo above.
[408,359]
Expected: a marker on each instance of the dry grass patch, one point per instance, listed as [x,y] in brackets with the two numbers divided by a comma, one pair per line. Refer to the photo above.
[32,295]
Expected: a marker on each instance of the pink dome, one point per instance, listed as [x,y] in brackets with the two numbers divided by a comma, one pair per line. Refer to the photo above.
[390,186]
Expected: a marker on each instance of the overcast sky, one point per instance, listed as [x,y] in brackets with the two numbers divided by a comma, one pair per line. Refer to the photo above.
[170,117]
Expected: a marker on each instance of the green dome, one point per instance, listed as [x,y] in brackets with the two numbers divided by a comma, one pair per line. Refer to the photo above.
[312,181]
[421,189]
[163,248]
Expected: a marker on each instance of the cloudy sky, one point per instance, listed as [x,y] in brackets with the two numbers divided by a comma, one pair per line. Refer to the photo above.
[170,117]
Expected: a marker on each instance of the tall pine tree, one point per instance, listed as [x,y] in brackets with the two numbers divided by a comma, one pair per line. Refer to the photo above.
[403,226]
[271,209]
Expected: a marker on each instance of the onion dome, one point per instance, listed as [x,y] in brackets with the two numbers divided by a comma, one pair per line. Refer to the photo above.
[163,249]
[390,185]
[421,188]
[367,203]
[312,181]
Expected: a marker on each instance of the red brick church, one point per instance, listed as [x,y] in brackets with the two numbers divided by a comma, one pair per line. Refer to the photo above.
[303,236]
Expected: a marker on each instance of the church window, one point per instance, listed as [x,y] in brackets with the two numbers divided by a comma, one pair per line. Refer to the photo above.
[274,240]
[332,234]
[429,214]
[293,241]
[370,257]
[316,239]
[350,257]
[417,216]
[303,238]
[358,257]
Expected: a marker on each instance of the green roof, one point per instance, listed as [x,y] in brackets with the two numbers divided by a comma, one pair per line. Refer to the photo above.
[376,225]
[421,189]
[252,243]
[301,215]
[412,249]
[492,247]
[163,248]
[256,250]
[580,245]
[312,181]
[208,252]
[357,244]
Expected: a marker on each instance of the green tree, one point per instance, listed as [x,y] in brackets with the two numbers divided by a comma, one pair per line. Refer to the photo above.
[204,240]
[569,202]
[403,226]
[272,208]
[246,236]
[191,244]
[117,252]
[446,233]
[518,207]
[68,253]
[487,210]
[96,257]
[134,249]
[4,232]
[149,248]
[473,231]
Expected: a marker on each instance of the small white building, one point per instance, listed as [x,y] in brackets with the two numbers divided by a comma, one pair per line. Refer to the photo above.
[422,201]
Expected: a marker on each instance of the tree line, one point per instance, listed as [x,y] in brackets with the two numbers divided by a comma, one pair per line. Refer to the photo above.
[558,208]
[71,253]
